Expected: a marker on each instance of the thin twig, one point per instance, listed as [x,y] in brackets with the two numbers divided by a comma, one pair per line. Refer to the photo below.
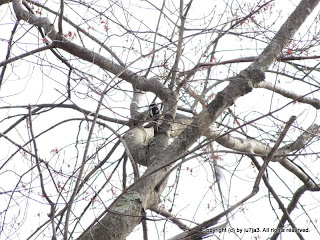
[211,222]
[8,51]
[32,52]
[155,38]
[61,17]
[44,193]
[180,42]
[170,217]
[276,197]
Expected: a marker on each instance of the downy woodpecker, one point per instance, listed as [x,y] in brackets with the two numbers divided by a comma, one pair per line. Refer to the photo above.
[154,114]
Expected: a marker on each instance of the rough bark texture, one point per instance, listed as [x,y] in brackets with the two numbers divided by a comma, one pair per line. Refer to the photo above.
[129,203]
[157,154]
[285,33]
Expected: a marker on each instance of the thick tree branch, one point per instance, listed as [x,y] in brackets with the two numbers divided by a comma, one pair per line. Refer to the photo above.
[82,31]
[272,52]
[4,2]
[198,231]
[135,113]
[126,210]
[151,85]
[312,101]
[251,59]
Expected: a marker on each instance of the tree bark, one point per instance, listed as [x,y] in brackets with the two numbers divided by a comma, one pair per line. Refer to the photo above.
[125,213]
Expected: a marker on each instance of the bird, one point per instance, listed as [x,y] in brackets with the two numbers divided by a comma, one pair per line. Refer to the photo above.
[154,111]
[154,114]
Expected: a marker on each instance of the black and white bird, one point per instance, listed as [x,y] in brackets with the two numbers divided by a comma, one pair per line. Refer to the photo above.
[154,114]
[154,111]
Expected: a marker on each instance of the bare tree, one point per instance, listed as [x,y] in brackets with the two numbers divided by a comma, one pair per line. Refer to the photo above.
[235,83]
